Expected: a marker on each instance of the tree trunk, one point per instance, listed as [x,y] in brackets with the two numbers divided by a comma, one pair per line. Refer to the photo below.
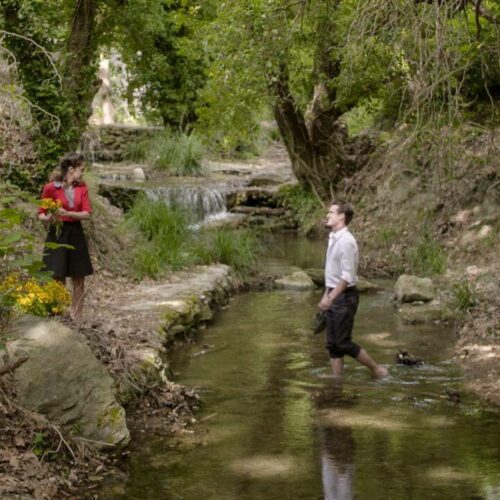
[316,141]
[316,146]
[80,82]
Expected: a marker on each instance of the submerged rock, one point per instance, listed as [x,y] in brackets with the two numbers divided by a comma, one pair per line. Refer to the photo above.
[317,274]
[64,381]
[412,288]
[299,280]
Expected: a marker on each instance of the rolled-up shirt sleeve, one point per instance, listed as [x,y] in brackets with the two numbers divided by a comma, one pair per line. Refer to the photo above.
[348,263]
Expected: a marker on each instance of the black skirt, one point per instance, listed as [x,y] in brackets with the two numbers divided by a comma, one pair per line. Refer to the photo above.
[64,262]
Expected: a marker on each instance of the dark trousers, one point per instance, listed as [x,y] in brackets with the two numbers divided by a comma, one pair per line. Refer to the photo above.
[339,325]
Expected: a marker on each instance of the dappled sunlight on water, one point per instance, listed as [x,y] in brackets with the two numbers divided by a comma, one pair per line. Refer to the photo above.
[281,427]
[265,466]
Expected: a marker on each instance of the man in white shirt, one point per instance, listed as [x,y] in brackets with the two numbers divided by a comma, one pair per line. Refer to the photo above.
[340,300]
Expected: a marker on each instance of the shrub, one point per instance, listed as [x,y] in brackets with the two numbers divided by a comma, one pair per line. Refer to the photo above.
[465,295]
[385,236]
[165,236]
[30,296]
[428,257]
[176,152]
[168,244]
[304,204]
[238,249]
[20,263]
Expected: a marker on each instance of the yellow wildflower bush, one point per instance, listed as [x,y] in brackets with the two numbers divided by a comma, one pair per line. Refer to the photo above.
[34,297]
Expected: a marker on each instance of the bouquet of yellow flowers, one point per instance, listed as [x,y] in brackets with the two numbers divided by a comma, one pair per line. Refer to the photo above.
[52,207]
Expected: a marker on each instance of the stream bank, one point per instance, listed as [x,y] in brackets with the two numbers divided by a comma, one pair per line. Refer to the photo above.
[273,424]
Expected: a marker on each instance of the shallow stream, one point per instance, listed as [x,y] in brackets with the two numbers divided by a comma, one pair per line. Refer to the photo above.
[277,426]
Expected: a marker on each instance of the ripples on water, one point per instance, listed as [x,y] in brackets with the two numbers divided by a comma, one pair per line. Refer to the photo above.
[284,428]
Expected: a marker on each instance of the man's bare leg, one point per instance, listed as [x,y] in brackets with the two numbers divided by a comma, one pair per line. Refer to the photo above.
[337,365]
[377,370]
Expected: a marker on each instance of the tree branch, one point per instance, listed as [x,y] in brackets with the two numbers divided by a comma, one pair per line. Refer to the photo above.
[12,365]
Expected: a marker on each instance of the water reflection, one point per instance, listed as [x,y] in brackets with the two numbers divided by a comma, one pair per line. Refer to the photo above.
[284,429]
[337,449]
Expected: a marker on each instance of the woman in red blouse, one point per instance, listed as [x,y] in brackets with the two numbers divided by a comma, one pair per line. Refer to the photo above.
[75,207]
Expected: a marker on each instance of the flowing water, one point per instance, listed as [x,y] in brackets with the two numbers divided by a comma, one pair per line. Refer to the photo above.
[277,426]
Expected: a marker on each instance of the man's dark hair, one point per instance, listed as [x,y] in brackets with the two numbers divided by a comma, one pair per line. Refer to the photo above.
[344,208]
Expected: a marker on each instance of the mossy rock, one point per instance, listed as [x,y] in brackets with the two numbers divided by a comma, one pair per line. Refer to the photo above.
[432,312]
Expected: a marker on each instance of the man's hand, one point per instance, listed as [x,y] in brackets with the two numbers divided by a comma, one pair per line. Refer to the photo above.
[325,303]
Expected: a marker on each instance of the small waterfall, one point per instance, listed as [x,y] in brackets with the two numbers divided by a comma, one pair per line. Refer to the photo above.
[198,201]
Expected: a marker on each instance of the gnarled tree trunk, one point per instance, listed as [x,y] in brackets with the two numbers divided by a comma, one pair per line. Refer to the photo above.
[316,140]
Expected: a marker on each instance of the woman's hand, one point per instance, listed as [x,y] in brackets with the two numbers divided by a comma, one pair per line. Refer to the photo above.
[63,213]
[45,217]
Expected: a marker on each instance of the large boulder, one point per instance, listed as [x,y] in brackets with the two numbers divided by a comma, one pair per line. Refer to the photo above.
[296,281]
[412,288]
[64,381]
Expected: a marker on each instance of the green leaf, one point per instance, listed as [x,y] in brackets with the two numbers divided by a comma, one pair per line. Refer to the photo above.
[55,246]
[12,238]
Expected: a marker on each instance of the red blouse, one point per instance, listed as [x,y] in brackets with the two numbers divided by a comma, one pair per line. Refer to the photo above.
[55,191]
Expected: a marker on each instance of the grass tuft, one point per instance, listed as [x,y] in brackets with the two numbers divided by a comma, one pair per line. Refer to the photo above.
[238,249]
[428,257]
[175,152]
[166,242]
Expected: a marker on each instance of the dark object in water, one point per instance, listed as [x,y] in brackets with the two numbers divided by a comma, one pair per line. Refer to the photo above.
[405,358]
[319,322]
[453,395]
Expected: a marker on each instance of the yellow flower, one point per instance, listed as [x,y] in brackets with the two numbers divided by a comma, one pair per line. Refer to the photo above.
[33,297]
[50,205]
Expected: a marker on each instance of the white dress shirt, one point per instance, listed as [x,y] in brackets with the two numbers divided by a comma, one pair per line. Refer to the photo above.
[342,259]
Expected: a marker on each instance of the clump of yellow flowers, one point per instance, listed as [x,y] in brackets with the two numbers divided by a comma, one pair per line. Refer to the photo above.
[52,207]
[33,297]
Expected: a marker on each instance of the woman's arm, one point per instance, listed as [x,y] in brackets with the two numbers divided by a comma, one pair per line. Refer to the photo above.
[74,215]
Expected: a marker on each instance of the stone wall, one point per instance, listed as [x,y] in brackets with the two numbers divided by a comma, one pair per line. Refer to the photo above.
[111,142]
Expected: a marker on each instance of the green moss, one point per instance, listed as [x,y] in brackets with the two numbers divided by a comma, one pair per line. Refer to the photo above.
[112,417]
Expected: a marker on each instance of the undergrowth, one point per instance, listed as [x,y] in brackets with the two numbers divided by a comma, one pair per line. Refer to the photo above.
[167,243]
[177,153]
[306,206]
[238,249]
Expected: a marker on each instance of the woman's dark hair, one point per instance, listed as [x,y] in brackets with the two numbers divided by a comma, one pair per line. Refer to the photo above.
[344,208]
[65,162]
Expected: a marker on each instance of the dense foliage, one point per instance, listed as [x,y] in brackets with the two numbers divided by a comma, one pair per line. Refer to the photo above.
[223,67]
[24,285]
[167,242]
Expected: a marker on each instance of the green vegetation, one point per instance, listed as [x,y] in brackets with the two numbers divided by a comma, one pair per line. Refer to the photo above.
[167,243]
[40,444]
[238,249]
[428,257]
[20,264]
[306,206]
[175,152]
[164,235]
[385,236]
[464,294]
